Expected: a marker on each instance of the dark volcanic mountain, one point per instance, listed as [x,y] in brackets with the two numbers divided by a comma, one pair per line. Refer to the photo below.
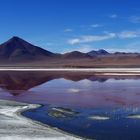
[99,52]
[18,49]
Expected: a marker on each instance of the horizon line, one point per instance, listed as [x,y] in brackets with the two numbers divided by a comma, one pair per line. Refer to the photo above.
[110,52]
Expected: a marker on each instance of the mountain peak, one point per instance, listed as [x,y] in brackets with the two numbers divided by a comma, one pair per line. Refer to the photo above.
[15,37]
[19,49]
[102,51]
[99,52]
[75,54]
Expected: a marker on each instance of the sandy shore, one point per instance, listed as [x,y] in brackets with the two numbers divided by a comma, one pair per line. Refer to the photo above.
[13,126]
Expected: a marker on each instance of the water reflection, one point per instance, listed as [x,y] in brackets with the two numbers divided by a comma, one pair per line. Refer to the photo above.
[13,81]
[75,89]
[85,104]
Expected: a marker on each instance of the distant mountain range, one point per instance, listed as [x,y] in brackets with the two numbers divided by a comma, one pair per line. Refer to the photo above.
[17,50]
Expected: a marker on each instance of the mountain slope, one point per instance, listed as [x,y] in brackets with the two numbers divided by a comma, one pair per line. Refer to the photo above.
[99,52]
[75,54]
[18,49]
[18,52]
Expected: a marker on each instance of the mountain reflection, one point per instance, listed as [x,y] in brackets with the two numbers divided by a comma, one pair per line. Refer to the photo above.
[18,82]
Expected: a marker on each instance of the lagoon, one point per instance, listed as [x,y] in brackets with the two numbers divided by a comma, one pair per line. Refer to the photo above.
[89,105]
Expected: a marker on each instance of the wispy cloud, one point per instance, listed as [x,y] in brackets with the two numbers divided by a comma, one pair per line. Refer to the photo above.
[91,38]
[129,34]
[68,30]
[74,41]
[96,25]
[113,16]
[126,34]
[135,19]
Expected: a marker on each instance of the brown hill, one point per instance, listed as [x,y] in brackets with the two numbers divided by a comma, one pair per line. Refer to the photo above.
[75,54]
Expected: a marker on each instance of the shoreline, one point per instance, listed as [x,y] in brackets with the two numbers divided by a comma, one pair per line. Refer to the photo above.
[96,71]
[14,125]
[72,69]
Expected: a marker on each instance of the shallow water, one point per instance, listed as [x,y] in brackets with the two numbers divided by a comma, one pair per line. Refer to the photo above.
[107,124]
[85,104]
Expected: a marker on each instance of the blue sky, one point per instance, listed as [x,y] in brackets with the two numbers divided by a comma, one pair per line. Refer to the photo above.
[68,25]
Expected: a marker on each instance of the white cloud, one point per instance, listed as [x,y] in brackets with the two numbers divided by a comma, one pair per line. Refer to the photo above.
[74,41]
[68,30]
[113,16]
[129,34]
[91,38]
[96,25]
[94,38]
[135,19]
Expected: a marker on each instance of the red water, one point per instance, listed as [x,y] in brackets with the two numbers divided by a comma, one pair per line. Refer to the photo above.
[82,91]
